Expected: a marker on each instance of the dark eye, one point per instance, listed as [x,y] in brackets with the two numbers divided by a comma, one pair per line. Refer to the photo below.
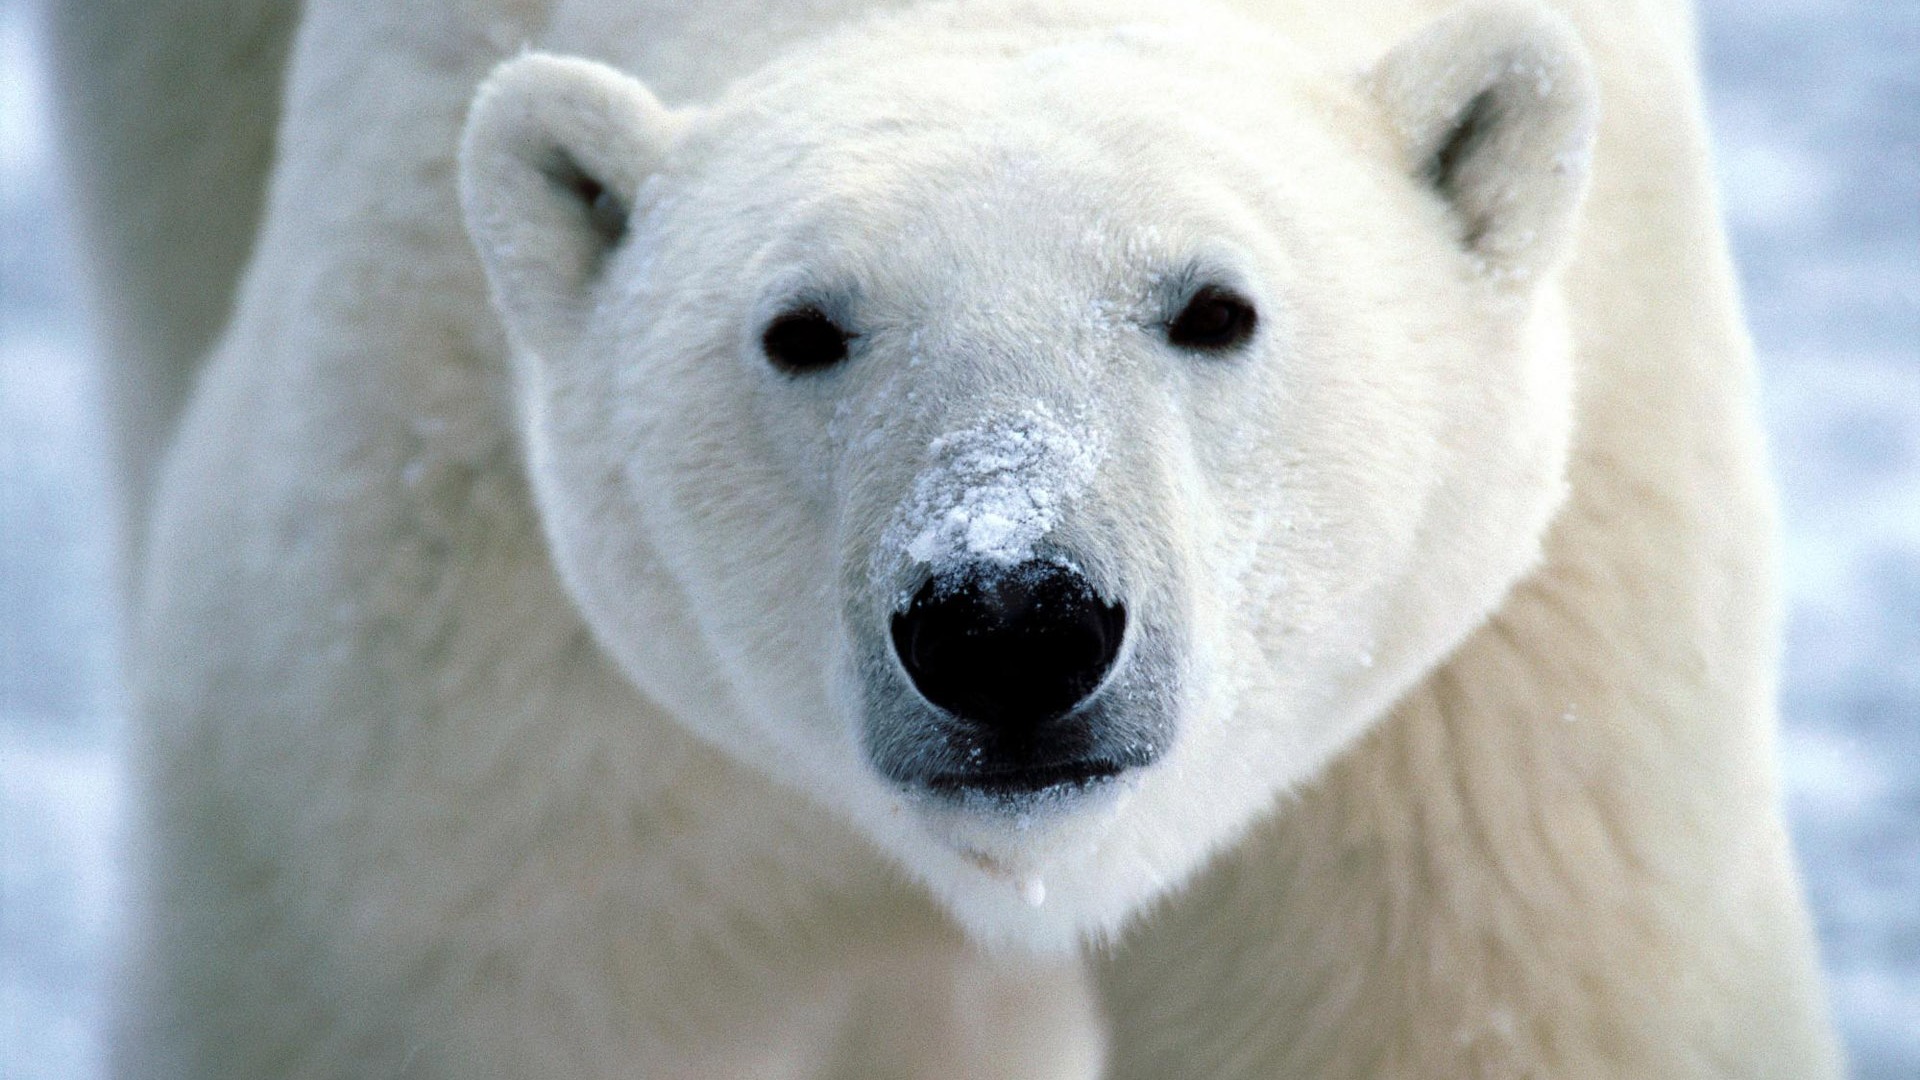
[1214,319]
[804,341]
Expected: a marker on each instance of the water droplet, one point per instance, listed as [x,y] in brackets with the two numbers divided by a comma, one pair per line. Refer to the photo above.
[1033,891]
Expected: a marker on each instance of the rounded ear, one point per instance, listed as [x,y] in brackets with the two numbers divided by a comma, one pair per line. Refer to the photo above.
[552,160]
[1498,107]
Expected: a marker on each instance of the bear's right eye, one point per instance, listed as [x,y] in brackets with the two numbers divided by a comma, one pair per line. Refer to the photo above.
[1214,320]
[804,341]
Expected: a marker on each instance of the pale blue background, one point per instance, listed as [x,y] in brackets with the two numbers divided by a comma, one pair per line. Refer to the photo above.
[1817,108]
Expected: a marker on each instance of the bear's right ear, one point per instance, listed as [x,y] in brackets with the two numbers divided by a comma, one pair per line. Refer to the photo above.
[1498,107]
[553,157]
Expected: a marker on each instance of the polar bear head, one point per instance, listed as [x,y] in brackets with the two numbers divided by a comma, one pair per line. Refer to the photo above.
[1042,443]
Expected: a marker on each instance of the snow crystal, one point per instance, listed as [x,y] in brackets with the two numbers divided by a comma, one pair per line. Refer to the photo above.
[995,489]
[1575,159]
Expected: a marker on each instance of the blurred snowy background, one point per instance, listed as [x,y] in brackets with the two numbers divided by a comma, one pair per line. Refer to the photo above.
[1817,108]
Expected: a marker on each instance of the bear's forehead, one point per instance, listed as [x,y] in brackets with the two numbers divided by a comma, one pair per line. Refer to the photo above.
[1098,123]
[1069,170]
[943,165]
[1042,223]
[1130,86]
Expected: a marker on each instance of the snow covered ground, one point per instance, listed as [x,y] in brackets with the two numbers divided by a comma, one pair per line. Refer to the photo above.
[1817,106]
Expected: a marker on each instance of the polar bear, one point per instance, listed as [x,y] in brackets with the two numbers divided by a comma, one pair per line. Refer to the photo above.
[1017,538]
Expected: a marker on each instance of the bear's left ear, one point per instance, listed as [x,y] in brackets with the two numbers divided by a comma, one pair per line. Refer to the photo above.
[553,157]
[1498,107]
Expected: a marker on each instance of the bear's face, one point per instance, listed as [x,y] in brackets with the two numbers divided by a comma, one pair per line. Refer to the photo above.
[1043,447]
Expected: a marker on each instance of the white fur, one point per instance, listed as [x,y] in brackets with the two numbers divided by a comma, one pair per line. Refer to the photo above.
[501,664]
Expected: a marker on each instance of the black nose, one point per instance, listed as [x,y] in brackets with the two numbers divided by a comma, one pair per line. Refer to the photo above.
[1008,649]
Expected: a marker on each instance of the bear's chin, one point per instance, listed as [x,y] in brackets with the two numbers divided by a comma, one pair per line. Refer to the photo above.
[1025,872]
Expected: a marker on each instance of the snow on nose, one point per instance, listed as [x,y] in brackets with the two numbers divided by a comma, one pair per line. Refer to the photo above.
[994,490]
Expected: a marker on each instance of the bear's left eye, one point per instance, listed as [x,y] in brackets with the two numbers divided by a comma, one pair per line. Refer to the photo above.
[1214,319]
[804,341]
